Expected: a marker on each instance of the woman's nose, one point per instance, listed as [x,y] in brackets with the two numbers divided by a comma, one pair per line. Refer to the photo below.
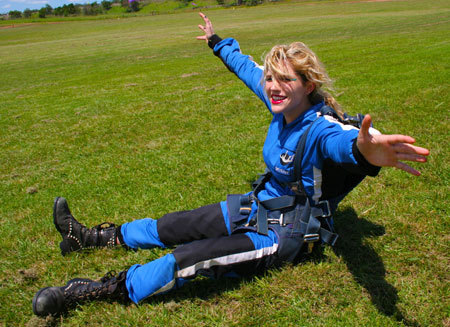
[275,85]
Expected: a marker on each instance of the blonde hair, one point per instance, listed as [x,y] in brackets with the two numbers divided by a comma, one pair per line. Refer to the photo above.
[306,64]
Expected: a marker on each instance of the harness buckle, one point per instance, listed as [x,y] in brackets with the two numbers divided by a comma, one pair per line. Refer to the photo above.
[297,188]
[245,210]
[282,222]
[353,120]
[310,238]
[273,221]
[326,210]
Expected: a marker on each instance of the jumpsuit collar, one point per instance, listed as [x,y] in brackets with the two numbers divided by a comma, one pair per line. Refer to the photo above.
[313,109]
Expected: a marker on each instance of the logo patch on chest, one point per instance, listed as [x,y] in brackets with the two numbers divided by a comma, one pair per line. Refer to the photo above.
[281,171]
[286,159]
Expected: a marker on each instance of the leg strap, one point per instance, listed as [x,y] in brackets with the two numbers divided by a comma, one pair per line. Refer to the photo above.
[282,202]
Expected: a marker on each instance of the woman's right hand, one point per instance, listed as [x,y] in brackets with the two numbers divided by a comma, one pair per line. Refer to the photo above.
[207,28]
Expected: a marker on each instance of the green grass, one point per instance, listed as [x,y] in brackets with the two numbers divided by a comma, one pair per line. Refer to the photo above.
[132,118]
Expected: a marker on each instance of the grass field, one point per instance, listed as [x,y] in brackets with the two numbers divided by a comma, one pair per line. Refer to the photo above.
[132,118]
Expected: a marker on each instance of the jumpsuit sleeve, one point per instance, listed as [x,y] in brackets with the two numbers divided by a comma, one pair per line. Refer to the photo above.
[337,142]
[242,66]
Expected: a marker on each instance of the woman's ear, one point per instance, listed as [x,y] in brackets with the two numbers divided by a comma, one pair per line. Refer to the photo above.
[310,87]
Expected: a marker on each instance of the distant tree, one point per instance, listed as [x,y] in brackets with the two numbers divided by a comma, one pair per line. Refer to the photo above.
[86,10]
[71,8]
[57,11]
[15,14]
[78,9]
[42,12]
[97,8]
[92,9]
[106,4]
[134,6]
[48,9]
[65,10]
[27,13]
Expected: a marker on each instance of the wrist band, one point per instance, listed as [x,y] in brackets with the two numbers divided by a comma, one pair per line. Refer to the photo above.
[213,40]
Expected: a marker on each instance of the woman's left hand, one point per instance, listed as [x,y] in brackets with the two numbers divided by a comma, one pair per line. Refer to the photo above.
[388,150]
[208,28]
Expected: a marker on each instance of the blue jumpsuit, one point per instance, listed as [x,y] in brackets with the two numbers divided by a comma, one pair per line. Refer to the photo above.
[212,244]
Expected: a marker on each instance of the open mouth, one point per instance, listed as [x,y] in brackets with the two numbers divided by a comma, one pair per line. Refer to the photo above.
[276,99]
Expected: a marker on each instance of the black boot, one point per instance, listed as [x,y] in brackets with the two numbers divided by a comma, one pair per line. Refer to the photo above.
[77,236]
[57,300]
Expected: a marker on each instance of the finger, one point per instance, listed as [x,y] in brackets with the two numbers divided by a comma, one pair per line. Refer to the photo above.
[409,148]
[411,157]
[365,125]
[407,168]
[202,15]
[421,151]
[398,138]
[203,28]
[202,38]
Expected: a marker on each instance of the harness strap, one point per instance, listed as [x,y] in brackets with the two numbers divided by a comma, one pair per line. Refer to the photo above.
[260,183]
[297,186]
[281,202]
[325,235]
[289,217]
[305,219]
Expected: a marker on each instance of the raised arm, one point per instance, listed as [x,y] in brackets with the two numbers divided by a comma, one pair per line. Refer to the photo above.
[241,65]
[389,150]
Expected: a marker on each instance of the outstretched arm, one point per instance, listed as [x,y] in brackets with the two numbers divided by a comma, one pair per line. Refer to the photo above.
[229,52]
[389,150]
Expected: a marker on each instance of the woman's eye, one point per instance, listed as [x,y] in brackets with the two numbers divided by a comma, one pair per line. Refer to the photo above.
[283,79]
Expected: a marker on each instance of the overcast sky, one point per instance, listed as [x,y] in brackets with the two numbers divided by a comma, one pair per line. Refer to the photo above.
[8,5]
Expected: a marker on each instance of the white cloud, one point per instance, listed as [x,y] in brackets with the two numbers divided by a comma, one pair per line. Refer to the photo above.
[18,1]
[6,6]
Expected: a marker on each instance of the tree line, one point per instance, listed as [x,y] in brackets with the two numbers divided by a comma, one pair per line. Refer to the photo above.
[89,9]
[96,8]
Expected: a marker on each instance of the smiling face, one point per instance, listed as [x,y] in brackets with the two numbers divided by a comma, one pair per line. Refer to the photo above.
[288,94]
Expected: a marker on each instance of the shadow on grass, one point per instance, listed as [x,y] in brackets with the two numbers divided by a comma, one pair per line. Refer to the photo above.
[361,259]
[364,263]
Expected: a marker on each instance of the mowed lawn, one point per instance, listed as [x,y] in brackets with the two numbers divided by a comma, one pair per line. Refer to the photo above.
[132,118]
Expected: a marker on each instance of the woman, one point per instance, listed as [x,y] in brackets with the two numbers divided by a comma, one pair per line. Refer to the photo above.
[313,158]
